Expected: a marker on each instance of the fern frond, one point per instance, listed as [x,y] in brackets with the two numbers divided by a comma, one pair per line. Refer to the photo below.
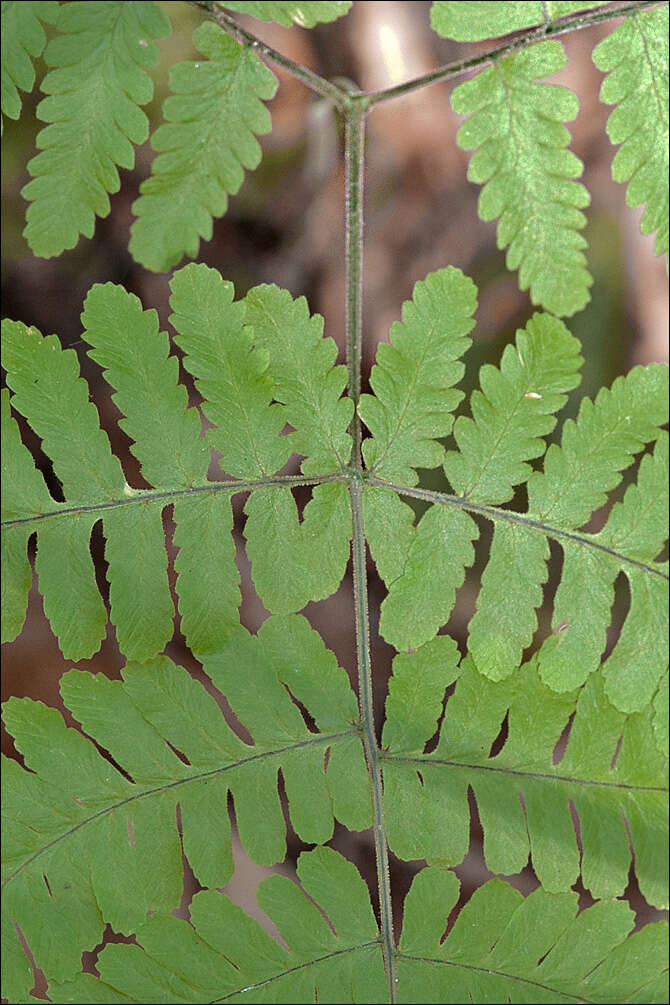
[576,477]
[135,359]
[414,376]
[516,126]
[474,21]
[389,529]
[231,373]
[326,923]
[94,93]
[426,794]
[108,843]
[23,39]
[304,14]
[504,947]
[421,599]
[230,363]
[212,118]
[635,57]
[513,412]
[23,491]
[281,548]
[305,380]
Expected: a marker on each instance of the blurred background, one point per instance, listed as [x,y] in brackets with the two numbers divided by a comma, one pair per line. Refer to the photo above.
[287,226]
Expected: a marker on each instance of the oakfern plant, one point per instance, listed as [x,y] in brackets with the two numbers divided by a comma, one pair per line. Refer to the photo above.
[100,816]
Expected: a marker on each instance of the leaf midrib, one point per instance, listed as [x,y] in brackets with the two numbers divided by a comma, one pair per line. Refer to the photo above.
[426,761]
[159,789]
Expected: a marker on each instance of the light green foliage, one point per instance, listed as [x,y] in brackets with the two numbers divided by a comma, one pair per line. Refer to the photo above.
[80,822]
[472,21]
[95,814]
[507,948]
[95,87]
[516,127]
[421,599]
[513,412]
[281,548]
[414,376]
[212,119]
[635,57]
[231,373]
[229,361]
[426,794]
[305,14]
[258,464]
[305,379]
[23,39]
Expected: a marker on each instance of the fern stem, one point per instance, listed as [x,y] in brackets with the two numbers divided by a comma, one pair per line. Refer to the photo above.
[354,155]
[369,738]
[144,495]
[354,148]
[493,513]
[325,88]
[457,68]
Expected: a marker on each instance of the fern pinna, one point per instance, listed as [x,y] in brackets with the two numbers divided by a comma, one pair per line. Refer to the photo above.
[556,733]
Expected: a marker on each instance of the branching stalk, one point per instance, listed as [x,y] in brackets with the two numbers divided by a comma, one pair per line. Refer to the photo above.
[572,22]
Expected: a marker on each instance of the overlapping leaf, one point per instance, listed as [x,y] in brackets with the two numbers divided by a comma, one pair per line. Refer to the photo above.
[612,772]
[502,947]
[538,949]
[516,127]
[174,458]
[95,90]
[304,14]
[414,377]
[92,845]
[635,57]
[212,118]
[23,39]
[98,839]
[423,565]
[473,21]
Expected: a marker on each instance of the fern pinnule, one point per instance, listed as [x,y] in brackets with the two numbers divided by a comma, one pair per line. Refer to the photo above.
[94,93]
[212,119]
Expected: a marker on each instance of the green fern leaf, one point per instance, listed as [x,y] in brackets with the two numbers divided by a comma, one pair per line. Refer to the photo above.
[281,548]
[231,374]
[23,39]
[513,412]
[306,381]
[507,948]
[304,14]
[95,814]
[212,117]
[414,376]
[426,794]
[574,482]
[326,923]
[473,21]
[23,492]
[516,126]
[421,599]
[135,358]
[635,57]
[94,93]
[389,529]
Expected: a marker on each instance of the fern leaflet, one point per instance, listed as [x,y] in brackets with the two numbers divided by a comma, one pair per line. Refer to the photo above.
[473,21]
[304,14]
[516,125]
[23,39]
[212,118]
[635,57]
[95,88]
